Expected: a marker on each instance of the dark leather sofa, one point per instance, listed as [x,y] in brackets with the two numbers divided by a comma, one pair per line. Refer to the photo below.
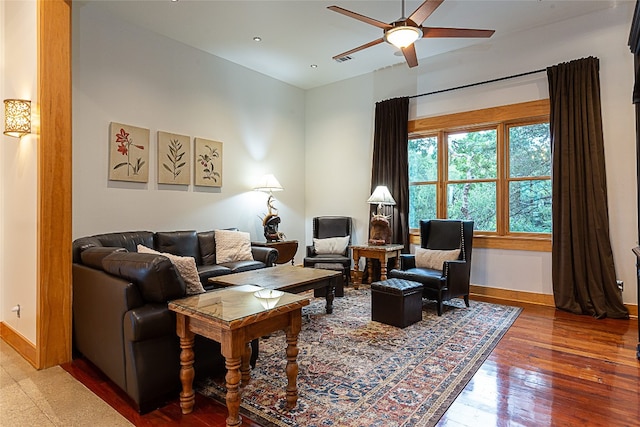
[121,322]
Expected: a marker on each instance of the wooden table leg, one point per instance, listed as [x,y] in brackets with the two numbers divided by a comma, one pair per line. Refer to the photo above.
[357,278]
[383,267]
[187,356]
[330,292]
[370,269]
[233,390]
[292,364]
[245,371]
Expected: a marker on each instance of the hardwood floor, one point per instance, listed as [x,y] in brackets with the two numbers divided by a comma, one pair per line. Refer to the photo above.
[550,369]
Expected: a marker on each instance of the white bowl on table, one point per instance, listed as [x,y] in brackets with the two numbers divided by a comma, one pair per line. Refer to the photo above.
[268,297]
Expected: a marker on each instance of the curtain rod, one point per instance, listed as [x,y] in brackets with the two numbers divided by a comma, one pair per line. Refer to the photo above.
[479,83]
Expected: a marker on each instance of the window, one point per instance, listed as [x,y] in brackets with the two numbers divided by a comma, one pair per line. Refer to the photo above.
[492,166]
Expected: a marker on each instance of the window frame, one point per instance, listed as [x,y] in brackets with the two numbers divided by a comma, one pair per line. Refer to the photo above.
[499,118]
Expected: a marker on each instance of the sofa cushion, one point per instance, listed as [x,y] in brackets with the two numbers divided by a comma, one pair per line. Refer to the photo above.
[331,245]
[432,258]
[207,244]
[181,243]
[156,277]
[232,246]
[240,266]
[92,257]
[207,271]
[430,279]
[127,239]
[185,265]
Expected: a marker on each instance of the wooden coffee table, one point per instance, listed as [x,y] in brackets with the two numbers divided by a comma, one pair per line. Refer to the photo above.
[287,278]
[233,317]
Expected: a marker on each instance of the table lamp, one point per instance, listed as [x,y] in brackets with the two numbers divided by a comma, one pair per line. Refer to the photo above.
[269,183]
[380,230]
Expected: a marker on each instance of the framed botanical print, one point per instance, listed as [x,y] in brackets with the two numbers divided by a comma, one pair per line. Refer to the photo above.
[174,155]
[128,153]
[208,163]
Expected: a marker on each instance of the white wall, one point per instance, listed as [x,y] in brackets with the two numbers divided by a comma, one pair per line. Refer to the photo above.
[340,122]
[128,75]
[339,131]
[18,176]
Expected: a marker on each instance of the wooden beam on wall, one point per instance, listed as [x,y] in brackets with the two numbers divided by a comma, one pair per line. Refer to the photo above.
[53,328]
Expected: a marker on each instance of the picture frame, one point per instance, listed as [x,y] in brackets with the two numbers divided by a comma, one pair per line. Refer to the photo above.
[208,163]
[128,153]
[174,158]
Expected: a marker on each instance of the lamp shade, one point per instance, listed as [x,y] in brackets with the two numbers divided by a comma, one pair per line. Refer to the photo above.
[381,196]
[17,117]
[268,183]
[402,36]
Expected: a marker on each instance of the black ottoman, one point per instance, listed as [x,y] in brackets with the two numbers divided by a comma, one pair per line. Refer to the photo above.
[396,302]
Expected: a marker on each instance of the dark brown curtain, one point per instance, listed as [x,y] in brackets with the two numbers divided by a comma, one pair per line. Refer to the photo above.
[391,168]
[391,162]
[584,277]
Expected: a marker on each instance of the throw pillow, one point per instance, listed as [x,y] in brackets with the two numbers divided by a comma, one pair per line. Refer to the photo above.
[331,245]
[432,258]
[232,246]
[185,265]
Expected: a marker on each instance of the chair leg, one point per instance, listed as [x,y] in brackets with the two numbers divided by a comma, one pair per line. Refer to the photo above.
[466,300]
[440,301]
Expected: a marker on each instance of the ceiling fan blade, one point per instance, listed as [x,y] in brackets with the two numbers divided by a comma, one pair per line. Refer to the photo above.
[424,11]
[364,46]
[455,32]
[359,17]
[409,53]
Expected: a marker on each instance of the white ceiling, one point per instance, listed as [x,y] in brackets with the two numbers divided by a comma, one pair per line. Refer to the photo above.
[298,33]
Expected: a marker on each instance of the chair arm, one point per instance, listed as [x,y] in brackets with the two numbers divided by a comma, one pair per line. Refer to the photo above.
[457,273]
[407,261]
[265,254]
[310,251]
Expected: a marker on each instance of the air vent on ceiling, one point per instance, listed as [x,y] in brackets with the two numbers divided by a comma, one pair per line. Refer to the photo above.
[343,58]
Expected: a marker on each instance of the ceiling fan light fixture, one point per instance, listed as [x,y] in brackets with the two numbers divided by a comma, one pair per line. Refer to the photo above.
[402,36]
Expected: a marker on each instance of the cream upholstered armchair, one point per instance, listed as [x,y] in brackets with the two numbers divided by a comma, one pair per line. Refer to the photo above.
[330,249]
[442,263]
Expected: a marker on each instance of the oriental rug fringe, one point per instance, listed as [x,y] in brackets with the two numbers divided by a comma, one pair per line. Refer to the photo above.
[355,372]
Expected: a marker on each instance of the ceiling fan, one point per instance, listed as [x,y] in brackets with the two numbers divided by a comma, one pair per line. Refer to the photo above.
[405,31]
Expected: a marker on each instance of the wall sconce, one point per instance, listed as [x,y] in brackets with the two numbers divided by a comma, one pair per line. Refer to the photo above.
[17,117]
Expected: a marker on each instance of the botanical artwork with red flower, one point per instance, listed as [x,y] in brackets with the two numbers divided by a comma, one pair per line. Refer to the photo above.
[128,153]
[208,163]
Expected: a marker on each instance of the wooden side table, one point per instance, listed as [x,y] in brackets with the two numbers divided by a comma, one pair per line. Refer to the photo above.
[233,317]
[286,249]
[382,253]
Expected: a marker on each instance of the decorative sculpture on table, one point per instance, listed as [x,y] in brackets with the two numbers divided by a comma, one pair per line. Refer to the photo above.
[380,231]
[270,222]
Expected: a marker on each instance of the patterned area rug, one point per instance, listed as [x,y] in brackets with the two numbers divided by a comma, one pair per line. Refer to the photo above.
[355,372]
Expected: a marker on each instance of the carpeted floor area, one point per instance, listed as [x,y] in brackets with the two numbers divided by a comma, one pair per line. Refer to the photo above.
[355,372]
